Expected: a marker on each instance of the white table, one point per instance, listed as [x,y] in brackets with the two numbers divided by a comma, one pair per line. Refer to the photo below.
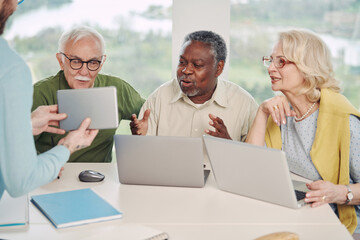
[184,213]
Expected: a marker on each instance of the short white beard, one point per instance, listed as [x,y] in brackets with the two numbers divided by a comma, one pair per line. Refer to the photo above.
[192,93]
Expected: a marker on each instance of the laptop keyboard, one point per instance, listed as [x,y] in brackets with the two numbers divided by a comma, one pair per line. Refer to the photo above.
[300,195]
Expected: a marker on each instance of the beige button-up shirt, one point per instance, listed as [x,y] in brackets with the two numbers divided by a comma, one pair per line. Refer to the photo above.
[174,114]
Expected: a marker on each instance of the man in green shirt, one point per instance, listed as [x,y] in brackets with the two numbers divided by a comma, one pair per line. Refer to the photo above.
[81,57]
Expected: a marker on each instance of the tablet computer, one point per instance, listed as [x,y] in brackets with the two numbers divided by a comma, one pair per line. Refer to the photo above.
[100,104]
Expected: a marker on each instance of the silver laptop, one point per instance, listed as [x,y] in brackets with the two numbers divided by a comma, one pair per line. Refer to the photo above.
[100,104]
[253,171]
[160,160]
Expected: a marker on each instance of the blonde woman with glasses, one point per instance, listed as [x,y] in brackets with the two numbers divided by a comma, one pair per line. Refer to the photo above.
[314,124]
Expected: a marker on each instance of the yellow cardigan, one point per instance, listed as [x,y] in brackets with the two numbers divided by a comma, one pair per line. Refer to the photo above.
[330,149]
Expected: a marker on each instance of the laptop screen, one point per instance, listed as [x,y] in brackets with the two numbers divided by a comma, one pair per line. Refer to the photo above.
[160,160]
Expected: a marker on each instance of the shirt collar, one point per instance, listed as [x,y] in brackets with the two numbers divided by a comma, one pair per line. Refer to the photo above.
[219,95]
[63,84]
[177,93]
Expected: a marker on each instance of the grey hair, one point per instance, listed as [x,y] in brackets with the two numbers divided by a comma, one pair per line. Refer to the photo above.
[78,33]
[216,42]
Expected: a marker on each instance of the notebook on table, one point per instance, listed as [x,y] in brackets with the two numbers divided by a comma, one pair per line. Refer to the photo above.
[100,104]
[77,207]
[160,160]
[14,212]
[254,171]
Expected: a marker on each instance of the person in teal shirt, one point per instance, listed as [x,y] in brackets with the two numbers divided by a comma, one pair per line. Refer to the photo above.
[81,56]
[21,169]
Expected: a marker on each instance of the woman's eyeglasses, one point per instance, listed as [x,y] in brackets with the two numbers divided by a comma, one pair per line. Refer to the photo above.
[279,62]
[20,1]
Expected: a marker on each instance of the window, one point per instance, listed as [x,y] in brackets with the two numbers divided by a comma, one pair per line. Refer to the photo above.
[254,28]
[137,36]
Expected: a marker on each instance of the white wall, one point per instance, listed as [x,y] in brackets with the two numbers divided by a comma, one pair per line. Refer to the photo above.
[194,15]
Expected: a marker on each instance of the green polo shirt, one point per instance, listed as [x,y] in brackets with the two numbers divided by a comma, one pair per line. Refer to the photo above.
[129,102]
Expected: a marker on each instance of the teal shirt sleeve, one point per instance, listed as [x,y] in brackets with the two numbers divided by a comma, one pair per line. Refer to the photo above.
[21,170]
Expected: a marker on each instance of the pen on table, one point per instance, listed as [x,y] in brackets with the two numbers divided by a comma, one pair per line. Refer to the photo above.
[53,145]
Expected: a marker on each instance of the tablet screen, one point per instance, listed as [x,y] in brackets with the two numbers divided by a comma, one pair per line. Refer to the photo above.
[100,104]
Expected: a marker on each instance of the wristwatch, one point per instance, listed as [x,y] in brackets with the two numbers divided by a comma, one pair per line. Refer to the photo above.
[349,195]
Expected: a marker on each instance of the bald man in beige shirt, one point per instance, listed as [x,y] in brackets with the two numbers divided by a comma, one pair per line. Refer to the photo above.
[197,102]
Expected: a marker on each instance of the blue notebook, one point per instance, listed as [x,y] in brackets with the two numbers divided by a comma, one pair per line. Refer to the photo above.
[71,208]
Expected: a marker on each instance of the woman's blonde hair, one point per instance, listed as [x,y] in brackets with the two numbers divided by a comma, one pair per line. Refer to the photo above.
[312,57]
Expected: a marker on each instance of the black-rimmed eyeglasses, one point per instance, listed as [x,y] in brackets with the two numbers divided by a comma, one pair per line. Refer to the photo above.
[20,1]
[77,64]
[279,62]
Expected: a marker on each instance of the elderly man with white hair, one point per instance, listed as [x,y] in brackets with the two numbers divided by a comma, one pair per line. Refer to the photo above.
[81,56]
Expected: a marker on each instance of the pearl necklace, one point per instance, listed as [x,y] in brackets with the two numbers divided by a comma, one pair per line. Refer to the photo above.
[305,114]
